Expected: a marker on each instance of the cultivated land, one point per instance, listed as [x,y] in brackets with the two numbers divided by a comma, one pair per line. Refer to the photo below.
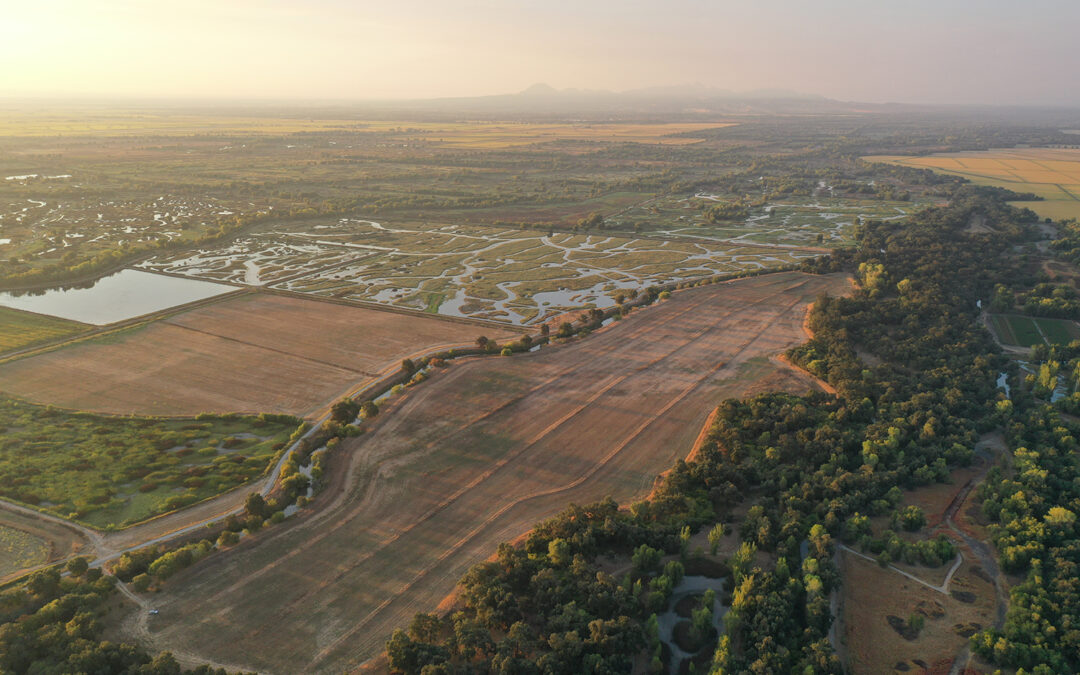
[1051,173]
[256,352]
[475,457]
[27,540]
[22,329]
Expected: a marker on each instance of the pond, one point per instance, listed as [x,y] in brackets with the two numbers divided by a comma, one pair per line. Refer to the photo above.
[124,295]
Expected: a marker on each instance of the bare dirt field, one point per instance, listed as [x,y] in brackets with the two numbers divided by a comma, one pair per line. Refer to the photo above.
[250,353]
[472,458]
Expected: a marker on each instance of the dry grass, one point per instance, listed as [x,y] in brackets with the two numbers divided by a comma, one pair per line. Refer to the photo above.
[35,536]
[872,593]
[475,457]
[251,353]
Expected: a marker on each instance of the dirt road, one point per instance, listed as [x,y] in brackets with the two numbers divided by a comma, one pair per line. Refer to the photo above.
[475,457]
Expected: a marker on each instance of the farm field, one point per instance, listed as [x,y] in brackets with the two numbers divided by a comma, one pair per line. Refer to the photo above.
[500,274]
[111,471]
[255,352]
[20,550]
[475,457]
[1026,331]
[1053,174]
[22,329]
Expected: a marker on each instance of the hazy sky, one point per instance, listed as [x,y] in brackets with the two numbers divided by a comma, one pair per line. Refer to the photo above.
[953,51]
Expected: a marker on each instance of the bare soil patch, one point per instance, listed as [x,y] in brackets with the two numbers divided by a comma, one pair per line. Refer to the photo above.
[472,458]
[254,353]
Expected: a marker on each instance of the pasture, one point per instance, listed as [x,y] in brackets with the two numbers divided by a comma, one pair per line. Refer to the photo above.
[473,457]
[112,471]
[23,329]
[253,353]
[1053,174]
[500,274]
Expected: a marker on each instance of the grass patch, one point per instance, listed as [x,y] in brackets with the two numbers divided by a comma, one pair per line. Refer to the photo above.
[21,329]
[116,471]
[19,550]
[1058,331]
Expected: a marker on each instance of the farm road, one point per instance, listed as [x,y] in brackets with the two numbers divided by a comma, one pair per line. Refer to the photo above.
[473,458]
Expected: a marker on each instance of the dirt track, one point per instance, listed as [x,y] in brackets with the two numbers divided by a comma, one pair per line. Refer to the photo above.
[475,457]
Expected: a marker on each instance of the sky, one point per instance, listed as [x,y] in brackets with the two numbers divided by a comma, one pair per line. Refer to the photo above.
[911,51]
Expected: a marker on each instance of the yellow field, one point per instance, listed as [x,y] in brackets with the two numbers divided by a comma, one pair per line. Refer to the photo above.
[480,135]
[511,134]
[1053,174]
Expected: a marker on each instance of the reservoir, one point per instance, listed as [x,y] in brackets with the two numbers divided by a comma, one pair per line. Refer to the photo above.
[124,295]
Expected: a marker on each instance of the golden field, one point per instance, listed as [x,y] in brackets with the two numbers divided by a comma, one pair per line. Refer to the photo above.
[1051,173]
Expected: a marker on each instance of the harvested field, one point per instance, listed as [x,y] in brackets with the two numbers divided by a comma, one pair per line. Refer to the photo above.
[472,458]
[250,353]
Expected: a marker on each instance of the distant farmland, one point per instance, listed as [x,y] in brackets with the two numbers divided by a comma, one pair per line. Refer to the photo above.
[475,457]
[250,353]
[1053,174]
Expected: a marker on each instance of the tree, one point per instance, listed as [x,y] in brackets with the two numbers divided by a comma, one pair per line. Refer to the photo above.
[369,409]
[408,366]
[255,506]
[344,411]
[78,566]
[716,535]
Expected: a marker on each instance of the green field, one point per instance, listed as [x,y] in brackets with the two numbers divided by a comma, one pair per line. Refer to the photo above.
[1024,331]
[21,329]
[116,471]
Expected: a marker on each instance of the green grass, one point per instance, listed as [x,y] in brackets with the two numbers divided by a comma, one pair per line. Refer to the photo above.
[1013,329]
[116,471]
[19,550]
[1025,331]
[21,329]
[1058,331]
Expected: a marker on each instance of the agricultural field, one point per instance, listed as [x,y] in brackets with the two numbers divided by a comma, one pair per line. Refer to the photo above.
[1051,173]
[252,353]
[500,274]
[1024,331]
[474,457]
[821,221]
[28,535]
[20,550]
[111,471]
[22,329]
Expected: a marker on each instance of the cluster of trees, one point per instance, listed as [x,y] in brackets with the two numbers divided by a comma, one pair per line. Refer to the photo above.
[51,624]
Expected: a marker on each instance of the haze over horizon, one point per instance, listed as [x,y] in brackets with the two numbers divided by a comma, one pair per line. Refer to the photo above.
[962,52]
